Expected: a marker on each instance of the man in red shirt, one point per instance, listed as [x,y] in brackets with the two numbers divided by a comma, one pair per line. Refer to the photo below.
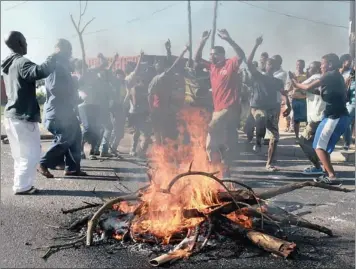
[224,84]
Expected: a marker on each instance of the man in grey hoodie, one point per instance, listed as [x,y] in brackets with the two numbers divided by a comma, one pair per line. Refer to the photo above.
[22,112]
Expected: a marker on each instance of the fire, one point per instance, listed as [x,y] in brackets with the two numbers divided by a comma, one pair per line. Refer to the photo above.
[162,215]
[124,207]
[240,218]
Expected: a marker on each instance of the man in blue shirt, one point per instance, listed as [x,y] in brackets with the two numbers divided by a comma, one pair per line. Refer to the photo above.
[60,116]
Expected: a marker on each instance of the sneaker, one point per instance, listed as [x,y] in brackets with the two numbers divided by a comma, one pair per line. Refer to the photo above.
[133,153]
[92,157]
[326,180]
[346,148]
[256,148]
[312,170]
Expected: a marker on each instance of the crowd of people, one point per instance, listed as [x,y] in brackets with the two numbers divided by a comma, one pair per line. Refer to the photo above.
[148,98]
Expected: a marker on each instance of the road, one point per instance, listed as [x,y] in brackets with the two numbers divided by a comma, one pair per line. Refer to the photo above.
[25,220]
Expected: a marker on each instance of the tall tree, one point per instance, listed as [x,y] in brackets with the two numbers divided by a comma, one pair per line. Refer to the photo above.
[80,30]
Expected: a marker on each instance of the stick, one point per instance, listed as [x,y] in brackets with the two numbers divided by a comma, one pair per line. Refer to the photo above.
[190,34]
[214,24]
[94,220]
[80,222]
[72,210]
[294,186]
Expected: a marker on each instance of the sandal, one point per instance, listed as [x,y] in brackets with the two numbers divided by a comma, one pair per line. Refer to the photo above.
[272,168]
[44,172]
[33,190]
[326,180]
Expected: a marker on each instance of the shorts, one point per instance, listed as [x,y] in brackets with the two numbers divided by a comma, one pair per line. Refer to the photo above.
[299,107]
[267,119]
[310,130]
[329,132]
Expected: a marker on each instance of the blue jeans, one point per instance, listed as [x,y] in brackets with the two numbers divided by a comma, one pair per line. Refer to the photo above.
[67,142]
[91,128]
[348,132]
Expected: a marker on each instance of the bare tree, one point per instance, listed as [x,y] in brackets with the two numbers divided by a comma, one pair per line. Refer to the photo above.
[80,30]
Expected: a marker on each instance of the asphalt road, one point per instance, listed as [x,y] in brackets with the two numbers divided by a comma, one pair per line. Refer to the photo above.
[25,220]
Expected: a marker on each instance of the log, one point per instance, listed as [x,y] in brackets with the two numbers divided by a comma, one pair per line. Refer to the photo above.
[170,257]
[272,244]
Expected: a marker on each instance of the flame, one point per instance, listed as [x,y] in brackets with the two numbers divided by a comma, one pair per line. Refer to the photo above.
[125,207]
[162,215]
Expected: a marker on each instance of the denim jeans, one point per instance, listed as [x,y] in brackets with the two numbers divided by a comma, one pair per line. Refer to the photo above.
[67,142]
[106,126]
[91,128]
[348,132]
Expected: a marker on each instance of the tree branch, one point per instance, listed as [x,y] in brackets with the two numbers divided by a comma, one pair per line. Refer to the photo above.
[85,26]
[74,24]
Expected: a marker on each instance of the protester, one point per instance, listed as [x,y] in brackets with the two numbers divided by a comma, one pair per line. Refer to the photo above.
[263,61]
[22,112]
[336,117]
[350,105]
[315,109]
[159,100]
[61,116]
[297,98]
[265,106]
[346,68]
[117,109]
[224,83]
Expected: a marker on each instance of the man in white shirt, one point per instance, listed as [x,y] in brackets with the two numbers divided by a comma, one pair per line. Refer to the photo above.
[282,75]
[315,109]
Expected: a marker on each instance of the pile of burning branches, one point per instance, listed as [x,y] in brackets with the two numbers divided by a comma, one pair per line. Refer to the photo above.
[186,209]
[238,214]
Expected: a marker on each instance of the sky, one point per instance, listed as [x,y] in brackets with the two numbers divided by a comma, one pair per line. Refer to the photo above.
[126,27]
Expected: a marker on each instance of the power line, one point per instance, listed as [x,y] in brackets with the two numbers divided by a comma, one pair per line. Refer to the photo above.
[294,16]
[16,5]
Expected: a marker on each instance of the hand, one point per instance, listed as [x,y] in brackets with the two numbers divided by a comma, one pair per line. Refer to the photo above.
[291,75]
[168,45]
[206,35]
[259,40]
[223,34]
[287,112]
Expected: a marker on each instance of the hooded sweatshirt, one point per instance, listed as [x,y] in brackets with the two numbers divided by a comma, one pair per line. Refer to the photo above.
[20,75]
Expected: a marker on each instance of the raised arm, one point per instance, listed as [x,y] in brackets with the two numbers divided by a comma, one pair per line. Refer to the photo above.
[116,56]
[198,58]
[251,67]
[32,72]
[169,70]
[137,68]
[223,34]
[169,52]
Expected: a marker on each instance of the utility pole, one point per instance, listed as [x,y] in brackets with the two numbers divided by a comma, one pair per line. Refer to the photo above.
[352,35]
[214,23]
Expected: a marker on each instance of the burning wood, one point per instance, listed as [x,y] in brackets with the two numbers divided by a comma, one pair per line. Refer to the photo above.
[194,207]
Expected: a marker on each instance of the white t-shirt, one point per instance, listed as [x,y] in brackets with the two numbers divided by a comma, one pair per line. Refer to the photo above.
[282,75]
[315,104]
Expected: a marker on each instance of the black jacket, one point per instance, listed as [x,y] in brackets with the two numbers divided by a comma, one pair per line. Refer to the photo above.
[20,75]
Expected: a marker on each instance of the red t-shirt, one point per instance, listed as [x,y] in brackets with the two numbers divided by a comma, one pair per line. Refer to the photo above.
[224,83]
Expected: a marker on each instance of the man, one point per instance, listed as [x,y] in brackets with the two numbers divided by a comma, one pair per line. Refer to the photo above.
[297,97]
[282,75]
[263,61]
[315,109]
[224,84]
[335,119]
[350,105]
[159,100]
[131,79]
[60,114]
[265,107]
[117,109]
[346,65]
[22,112]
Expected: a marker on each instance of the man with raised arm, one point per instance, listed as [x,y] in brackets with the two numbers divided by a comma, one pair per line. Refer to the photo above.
[22,112]
[159,98]
[265,106]
[224,85]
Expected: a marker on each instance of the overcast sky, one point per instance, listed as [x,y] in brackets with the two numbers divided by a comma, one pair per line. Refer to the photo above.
[129,26]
